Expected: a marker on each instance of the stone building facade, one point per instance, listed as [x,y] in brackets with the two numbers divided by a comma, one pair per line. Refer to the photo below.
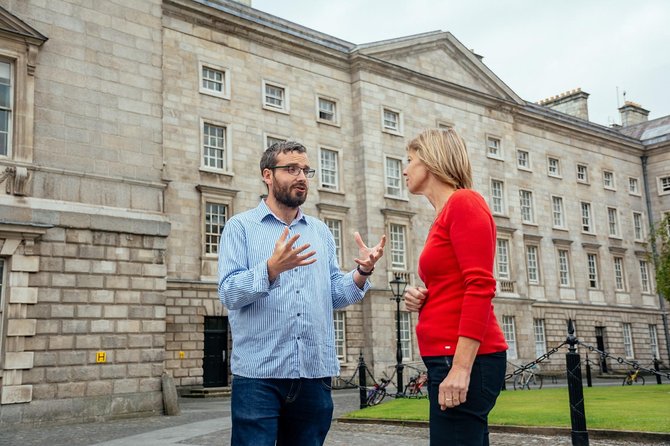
[133,130]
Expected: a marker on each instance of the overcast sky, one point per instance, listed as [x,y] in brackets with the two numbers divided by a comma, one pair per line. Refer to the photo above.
[538,48]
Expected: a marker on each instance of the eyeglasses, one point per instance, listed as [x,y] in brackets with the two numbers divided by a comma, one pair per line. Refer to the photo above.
[295,170]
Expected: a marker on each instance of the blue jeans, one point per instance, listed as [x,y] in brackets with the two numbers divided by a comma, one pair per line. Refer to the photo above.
[292,412]
[466,424]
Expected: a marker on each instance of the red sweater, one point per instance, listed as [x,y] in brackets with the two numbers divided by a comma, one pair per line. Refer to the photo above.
[457,267]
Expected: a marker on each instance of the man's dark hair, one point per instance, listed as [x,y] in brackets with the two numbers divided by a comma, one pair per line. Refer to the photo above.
[269,158]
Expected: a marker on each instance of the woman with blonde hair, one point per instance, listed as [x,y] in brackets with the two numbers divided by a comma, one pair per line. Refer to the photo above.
[460,340]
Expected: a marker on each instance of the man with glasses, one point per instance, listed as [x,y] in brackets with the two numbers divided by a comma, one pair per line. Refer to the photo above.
[280,280]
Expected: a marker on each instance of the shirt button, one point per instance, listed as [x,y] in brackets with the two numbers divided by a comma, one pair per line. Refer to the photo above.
[298,337]
[298,314]
[297,291]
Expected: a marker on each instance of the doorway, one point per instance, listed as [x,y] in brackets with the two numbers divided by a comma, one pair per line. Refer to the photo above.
[215,360]
[600,343]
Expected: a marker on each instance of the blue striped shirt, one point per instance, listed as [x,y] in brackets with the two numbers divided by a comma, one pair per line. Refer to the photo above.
[284,329]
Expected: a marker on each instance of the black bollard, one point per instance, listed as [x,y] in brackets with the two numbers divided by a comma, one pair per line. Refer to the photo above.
[656,367]
[362,389]
[588,372]
[580,437]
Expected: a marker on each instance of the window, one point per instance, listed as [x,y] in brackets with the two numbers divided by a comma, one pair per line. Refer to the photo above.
[633,186]
[275,97]
[6,106]
[493,148]
[329,172]
[638,227]
[582,173]
[526,202]
[2,298]
[393,172]
[269,140]
[586,217]
[653,342]
[592,263]
[326,110]
[216,215]
[554,167]
[608,180]
[391,121]
[397,239]
[502,259]
[644,276]
[497,197]
[664,185]
[540,339]
[214,146]
[532,264]
[510,336]
[339,321]
[335,227]
[558,213]
[214,81]
[619,281]
[523,159]
[405,335]
[628,341]
[563,267]
[613,222]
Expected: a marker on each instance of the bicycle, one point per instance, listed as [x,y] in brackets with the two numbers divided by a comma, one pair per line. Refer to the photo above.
[526,379]
[633,376]
[414,386]
[378,392]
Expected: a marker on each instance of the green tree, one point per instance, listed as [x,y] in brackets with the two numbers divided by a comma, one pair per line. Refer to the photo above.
[660,239]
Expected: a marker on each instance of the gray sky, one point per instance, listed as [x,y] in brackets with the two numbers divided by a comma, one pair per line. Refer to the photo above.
[539,48]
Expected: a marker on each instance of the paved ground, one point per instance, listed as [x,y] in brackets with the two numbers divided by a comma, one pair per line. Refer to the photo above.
[206,422]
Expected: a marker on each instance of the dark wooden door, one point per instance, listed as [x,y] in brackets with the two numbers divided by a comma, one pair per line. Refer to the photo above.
[600,341]
[215,361]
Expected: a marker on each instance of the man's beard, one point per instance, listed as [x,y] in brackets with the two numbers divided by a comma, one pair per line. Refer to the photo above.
[283,195]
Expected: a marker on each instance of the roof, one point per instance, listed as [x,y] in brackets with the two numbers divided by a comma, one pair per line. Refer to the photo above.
[649,132]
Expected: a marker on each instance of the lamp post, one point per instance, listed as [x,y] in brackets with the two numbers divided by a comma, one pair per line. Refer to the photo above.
[398,289]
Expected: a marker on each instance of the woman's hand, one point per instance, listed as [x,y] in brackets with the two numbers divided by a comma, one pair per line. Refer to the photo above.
[453,389]
[415,297]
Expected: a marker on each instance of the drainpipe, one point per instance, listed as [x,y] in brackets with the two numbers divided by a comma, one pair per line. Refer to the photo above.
[650,216]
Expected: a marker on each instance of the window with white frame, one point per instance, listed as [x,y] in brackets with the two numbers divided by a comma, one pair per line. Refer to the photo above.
[216,215]
[391,121]
[619,274]
[613,222]
[582,173]
[493,147]
[628,341]
[638,226]
[398,246]
[509,331]
[328,169]
[214,81]
[275,97]
[6,108]
[497,197]
[540,338]
[608,180]
[653,342]
[269,140]
[592,269]
[558,212]
[664,185]
[393,174]
[214,146]
[633,186]
[587,223]
[532,264]
[523,159]
[564,268]
[502,259]
[405,335]
[644,276]
[335,227]
[526,206]
[326,110]
[554,167]
[339,322]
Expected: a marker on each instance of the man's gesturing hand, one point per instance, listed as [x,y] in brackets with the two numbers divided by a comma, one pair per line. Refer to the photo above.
[285,257]
[367,257]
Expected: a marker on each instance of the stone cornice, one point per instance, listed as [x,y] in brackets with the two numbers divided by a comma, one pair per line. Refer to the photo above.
[397,213]
[216,190]
[332,208]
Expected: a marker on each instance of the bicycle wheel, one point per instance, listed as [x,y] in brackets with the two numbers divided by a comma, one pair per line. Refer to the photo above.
[517,382]
[376,396]
[627,380]
[539,381]
[640,379]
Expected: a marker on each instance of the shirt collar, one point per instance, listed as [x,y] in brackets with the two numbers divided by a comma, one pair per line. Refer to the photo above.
[263,211]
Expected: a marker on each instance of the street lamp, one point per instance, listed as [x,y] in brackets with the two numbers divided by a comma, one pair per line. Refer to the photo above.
[398,289]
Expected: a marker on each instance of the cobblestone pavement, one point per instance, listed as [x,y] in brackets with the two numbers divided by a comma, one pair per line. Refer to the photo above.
[206,422]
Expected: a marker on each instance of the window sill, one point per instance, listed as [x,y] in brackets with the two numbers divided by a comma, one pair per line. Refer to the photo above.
[215,94]
[330,191]
[396,197]
[276,109]
[493,157]
[326,122]
[392,132]
[226,173]
[524,169]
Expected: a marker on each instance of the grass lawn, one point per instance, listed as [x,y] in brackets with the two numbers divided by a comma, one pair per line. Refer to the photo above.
[633,408]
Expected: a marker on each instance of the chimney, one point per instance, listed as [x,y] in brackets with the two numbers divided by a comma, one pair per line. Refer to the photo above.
[573,102]
[632,113]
